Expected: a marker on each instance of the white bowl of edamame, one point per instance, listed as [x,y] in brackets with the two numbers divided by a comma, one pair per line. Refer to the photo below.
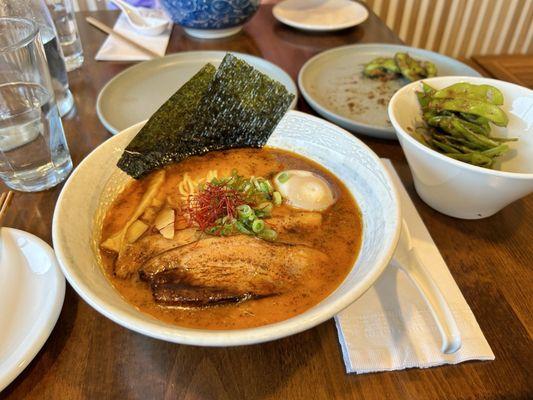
[465,166]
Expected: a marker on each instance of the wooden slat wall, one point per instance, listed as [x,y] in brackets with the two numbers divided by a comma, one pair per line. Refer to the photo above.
[461,28]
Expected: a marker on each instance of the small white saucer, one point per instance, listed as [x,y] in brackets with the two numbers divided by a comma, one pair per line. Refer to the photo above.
[320,15]
[32,289]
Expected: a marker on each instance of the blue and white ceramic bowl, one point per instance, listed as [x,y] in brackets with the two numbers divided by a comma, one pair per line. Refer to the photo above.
[210,19]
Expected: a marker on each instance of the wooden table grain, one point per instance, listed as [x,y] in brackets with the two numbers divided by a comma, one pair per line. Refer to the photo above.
[89,357]
[515,68]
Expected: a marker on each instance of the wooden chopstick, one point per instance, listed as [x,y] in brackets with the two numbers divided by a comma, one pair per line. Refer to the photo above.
[5,202]
[104,28]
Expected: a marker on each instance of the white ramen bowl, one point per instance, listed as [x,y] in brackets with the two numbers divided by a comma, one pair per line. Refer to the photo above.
[456,188]
[96,181]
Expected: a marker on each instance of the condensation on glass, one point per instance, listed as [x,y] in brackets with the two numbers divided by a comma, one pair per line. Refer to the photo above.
[33,150]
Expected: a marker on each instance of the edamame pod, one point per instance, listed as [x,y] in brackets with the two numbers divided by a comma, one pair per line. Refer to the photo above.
[472,158]
[479,129]
[444,146]
[476,119]
[465,90]
[427,89]
[423,99]
[489,111]
[496,151]
[503,140]
[473,137]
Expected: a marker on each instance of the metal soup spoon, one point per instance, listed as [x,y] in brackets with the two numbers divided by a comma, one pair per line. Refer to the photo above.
[407,259]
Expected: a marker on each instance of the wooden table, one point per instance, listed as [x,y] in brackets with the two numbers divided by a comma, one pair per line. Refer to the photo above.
[89,357]
[516,68]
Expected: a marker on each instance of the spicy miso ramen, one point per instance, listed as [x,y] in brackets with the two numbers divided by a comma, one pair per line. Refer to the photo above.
[231,239]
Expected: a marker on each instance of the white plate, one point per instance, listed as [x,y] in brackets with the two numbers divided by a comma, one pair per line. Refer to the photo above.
[32,289]
[136,93]
[333,84]
[320,15]
[97,181]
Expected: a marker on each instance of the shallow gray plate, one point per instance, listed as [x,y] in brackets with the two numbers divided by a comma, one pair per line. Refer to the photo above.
[333,85]
[136,93]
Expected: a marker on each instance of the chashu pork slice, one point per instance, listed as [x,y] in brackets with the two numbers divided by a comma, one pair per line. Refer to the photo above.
[136,254]
[228,269]
[294,222]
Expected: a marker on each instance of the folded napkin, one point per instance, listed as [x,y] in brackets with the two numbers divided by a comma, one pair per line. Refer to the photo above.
[390,326]
[115,49]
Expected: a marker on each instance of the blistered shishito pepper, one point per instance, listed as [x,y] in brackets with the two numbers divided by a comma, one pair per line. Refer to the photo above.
[486,110]
[466,90]
[409,67]
[380,67]
[430,68]
[402,64]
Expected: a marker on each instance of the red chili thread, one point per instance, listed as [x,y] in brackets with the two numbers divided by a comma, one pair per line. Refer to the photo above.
[211,203]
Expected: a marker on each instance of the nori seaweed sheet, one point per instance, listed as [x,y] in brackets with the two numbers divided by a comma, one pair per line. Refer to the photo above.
[241,107]
[238,107]
[158,142]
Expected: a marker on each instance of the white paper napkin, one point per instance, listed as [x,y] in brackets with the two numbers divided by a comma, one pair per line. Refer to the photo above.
[391,328]
[114,49]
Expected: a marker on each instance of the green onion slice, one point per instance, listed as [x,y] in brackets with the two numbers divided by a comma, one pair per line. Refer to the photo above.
[268,234]
[258,225]
[244,211]
[242,228]
[283,177]
[265,207]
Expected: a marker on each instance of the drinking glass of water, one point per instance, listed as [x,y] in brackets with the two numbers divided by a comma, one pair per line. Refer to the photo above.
[38,12]
[62,12]
[33,151]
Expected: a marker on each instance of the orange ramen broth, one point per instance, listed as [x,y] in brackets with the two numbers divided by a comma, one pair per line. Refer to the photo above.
[339,236]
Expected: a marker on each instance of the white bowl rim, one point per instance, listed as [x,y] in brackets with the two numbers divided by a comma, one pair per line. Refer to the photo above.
[223,338]
[420,146]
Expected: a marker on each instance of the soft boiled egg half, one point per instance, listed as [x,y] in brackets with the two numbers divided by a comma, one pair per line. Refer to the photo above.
[304,190]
